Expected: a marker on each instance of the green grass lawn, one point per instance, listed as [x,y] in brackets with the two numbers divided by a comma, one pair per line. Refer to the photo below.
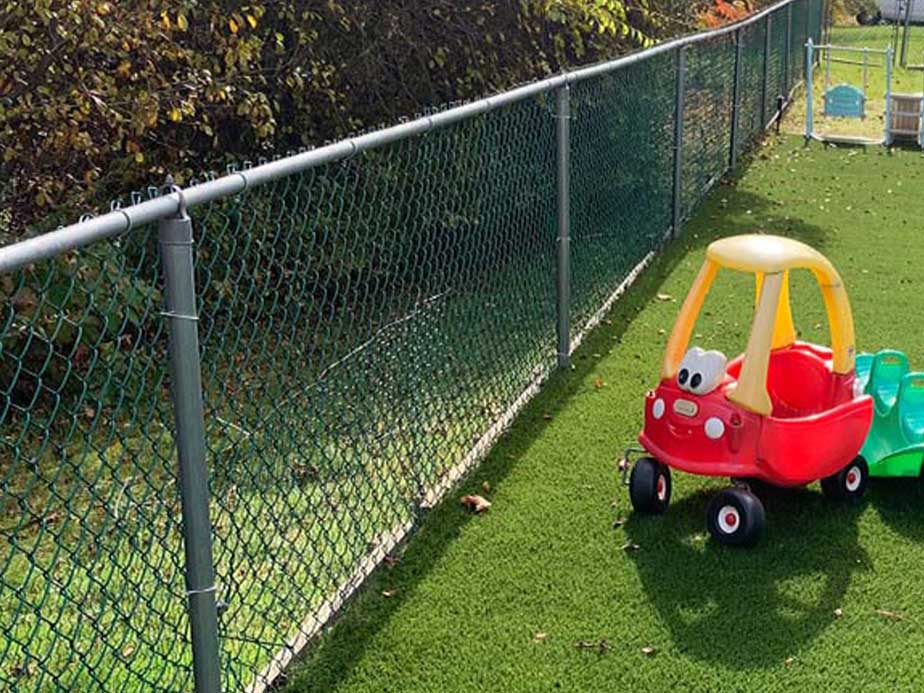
[539,594]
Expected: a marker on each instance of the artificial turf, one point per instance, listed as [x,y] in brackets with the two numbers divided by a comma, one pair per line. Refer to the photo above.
[540,593]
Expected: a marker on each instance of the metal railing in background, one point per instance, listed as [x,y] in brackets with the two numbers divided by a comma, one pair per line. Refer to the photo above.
[325,344]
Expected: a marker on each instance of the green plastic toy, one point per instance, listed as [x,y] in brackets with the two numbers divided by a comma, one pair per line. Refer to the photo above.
[895,444]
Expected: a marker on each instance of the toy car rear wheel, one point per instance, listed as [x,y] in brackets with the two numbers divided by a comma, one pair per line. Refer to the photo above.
[735,517]
[650,486]
[849,484]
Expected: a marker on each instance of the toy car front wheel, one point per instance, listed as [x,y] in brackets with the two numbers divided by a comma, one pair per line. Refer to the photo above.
[848,484]
[735,517]
[650,486]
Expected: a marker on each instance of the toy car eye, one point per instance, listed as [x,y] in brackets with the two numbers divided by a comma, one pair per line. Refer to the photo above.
[701,371]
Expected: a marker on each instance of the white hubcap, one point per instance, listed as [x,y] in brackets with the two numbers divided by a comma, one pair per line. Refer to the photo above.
[853,479]
[729,519]
[662,487]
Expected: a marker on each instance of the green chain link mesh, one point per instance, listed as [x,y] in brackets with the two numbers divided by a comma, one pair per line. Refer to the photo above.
[622,134]
[363,325]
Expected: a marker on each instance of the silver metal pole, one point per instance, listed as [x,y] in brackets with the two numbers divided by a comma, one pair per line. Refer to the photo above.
[909,6]
[678,139]
[921,114]
[176,247]
[736,105]
[809,89]
[888,98]
[563,114]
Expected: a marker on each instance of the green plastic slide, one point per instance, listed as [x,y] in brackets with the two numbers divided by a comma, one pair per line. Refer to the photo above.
[895,444]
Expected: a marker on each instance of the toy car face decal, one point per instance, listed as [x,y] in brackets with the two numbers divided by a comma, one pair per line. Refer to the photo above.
[701,371]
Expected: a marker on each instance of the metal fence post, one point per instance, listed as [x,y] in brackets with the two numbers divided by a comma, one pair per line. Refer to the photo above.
[808,23]
[736,106]
[887,138]
[766,77]
[176,247]
[809,103]
[678,139]
[563,138]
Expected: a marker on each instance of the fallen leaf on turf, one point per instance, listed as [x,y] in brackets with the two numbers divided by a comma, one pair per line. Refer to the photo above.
[891,615]
[789,661]
[598,383]
[649,650]
[389,593]
[665,297]
[629,546]
[623,464]
[475,503]
[618,522]
[601,646]
[838,613]
[547,417]
[539,637]
[485,486]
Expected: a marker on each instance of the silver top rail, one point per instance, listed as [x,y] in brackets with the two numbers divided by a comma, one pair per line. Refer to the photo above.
[117,222]
[848,49]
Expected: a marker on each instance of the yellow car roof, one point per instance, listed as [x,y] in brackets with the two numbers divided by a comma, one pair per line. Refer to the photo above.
[766,254]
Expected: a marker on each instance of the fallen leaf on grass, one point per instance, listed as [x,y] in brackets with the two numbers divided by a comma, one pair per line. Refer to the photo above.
[838,613]
[649,650]
[539,637]
[623,464]
[599,384]
[475,503]
[789,661]
[389,593]
[486,487]
[891,615]
[547,417]
[601,646]
[629,546]
[665,297]
[618,522]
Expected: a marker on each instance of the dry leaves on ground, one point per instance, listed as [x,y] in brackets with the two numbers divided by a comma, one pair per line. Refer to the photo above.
[475,503]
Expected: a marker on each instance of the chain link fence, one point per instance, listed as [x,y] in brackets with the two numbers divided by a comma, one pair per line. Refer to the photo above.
[364,321]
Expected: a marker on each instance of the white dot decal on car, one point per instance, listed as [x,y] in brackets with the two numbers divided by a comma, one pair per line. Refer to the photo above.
[715,429]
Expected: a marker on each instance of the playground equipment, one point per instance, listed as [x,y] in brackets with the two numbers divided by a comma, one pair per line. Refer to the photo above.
[846,100]
[785,412]
[895,444]
[907,114]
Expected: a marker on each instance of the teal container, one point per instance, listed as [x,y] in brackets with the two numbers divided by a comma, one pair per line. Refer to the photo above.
[895,444]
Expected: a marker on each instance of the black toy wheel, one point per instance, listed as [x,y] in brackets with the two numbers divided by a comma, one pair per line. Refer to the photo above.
[735,517]
[650,486]
[849,484]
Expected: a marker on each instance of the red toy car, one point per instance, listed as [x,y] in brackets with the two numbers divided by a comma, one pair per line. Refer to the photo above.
[785,412]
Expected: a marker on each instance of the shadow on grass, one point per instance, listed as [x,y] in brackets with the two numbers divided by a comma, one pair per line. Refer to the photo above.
[749,608]
[900,504]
